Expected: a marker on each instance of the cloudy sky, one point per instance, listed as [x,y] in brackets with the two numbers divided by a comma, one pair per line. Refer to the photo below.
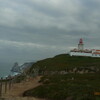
[37,29]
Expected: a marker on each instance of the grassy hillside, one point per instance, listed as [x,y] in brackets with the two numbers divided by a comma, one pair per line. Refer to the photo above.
[70,86]
[62,87]
[63,61]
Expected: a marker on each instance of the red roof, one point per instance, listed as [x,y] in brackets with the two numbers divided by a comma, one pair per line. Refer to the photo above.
[96,52]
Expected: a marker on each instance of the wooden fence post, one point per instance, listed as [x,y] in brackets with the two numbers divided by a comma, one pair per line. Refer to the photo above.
[1,87]
[0,90]
[10,83]
[6,86]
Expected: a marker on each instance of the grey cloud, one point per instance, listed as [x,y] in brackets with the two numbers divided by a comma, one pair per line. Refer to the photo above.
[35,29]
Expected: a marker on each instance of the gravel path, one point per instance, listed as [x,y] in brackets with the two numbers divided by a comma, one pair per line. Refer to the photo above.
[18,89]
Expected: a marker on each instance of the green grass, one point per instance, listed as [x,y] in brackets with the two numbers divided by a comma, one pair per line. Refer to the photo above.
[64,61]
[60,87]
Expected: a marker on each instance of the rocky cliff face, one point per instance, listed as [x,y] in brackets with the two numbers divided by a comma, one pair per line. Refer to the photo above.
[20,69]
[15,68]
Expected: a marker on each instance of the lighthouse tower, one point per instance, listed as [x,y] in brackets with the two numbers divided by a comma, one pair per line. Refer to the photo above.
[80,45]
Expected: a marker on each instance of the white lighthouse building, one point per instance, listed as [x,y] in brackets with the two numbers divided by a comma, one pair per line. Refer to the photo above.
[80,51]
[81,45]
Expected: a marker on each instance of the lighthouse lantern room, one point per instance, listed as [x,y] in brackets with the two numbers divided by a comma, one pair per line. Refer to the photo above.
[81,45]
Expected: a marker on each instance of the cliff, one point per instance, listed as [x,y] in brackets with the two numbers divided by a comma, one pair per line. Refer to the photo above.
[67,78]
[64,63]
[22,68]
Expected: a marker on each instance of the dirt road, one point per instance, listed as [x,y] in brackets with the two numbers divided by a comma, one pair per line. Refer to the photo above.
[18,89]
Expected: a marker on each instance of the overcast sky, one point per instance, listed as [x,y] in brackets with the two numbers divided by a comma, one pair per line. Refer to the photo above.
[38,29]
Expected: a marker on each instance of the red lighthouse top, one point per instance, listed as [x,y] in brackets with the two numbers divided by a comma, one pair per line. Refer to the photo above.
[81,41]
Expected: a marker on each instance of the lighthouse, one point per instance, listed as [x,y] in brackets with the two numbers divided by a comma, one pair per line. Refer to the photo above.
[81,45]
[80,51]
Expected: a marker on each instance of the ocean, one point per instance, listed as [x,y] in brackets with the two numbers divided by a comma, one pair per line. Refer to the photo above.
[5,68]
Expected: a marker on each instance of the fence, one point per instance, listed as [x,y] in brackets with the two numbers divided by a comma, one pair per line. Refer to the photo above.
[5,85]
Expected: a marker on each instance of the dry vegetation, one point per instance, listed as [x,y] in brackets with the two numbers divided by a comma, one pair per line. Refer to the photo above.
[18,89]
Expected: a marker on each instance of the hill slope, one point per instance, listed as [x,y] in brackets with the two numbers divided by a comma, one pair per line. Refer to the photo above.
[71,85]
[66,62]
[18,88]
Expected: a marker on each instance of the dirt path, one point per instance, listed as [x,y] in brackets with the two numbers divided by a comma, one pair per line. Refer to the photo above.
[18,89]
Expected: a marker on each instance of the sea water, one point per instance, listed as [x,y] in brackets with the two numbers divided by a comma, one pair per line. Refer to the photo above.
[5,69]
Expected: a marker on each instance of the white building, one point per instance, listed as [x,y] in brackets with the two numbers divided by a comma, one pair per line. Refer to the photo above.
[80,51]
[95,53]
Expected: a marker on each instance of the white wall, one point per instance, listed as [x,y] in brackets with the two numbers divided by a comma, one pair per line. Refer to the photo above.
[80,54]
[96,55]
